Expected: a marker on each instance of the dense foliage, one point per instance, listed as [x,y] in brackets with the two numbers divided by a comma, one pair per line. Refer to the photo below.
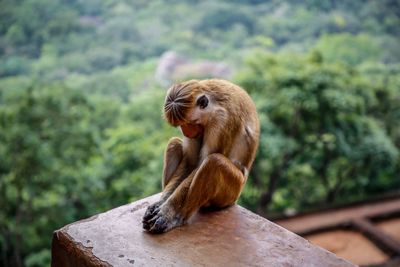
[81,129]
[326,135]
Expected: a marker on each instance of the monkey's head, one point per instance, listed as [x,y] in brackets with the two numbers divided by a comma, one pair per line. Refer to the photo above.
[186,105]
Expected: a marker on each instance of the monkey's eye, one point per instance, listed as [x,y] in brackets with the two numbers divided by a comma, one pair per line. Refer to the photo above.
[202,102]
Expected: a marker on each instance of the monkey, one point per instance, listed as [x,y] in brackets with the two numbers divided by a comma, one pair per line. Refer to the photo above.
[210,165]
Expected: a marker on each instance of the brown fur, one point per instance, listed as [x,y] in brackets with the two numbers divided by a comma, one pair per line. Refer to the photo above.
[210,170]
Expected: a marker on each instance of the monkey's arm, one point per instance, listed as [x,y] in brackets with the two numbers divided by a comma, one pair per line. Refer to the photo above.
[217,182]
[172,158]
[177,166]
[180,160]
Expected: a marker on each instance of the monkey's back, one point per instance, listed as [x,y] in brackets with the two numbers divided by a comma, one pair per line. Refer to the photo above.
[241,129]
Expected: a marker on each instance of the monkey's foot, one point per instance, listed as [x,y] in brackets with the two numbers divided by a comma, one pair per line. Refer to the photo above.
[163,220]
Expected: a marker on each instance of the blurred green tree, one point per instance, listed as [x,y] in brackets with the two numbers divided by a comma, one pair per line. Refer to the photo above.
[351,49]
[46,136]
[319,137]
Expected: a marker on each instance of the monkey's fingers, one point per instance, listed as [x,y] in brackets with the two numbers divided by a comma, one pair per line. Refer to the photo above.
[159,226]
[148,224]
[151,215]
[161,223]
[151,211]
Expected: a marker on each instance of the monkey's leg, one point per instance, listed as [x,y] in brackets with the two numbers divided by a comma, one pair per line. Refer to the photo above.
[217,182]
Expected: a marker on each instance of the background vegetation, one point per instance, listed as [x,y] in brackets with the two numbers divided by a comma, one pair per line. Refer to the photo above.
[80,111]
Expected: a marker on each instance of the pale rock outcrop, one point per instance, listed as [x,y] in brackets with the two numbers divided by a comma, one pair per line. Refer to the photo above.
[173,67]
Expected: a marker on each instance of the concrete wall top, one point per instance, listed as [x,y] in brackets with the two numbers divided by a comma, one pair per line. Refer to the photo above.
[230,237]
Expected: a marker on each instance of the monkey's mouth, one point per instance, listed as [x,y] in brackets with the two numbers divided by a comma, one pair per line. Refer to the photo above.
[192,131]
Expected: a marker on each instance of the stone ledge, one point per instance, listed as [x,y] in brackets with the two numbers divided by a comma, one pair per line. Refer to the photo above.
[230,237]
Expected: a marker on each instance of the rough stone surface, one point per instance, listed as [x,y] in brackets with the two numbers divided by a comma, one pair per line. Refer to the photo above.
[230,237]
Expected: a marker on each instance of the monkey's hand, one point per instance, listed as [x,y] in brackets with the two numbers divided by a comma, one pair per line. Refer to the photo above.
[161,218]
[152,210]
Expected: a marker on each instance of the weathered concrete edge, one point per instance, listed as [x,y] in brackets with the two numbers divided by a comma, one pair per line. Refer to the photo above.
[82,255]
[250,213]
[65,247]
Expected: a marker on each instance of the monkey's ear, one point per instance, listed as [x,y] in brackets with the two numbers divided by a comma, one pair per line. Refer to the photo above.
[202,102]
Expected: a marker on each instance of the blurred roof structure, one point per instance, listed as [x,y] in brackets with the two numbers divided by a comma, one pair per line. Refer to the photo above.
[366,233]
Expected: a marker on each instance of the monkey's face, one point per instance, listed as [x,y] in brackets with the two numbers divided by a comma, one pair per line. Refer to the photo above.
[186,106]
